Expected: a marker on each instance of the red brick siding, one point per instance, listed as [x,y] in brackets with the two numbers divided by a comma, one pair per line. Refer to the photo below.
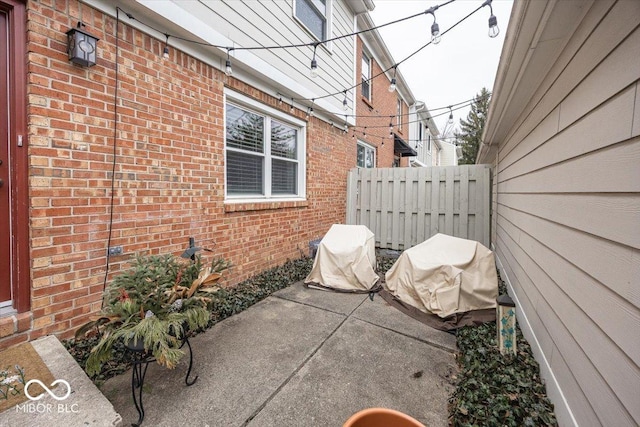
[382,103]
[169,172]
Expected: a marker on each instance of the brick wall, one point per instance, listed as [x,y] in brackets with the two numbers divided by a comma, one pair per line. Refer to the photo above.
[382,103]
[169,168]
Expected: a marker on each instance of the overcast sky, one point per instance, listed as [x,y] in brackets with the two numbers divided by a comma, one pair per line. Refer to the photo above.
[456,69]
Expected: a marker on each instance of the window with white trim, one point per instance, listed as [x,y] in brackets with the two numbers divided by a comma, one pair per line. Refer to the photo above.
[399,113]
[313,15]
[366,155]
[366,76]
[264,153]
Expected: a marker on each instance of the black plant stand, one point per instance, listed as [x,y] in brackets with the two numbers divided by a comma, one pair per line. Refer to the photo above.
[141,360]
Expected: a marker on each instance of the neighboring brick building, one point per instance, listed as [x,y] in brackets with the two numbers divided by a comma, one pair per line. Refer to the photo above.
[374,99]
[170,150]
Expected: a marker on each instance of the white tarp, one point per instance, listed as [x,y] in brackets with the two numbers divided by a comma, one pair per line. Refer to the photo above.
[346,259]
[445,275]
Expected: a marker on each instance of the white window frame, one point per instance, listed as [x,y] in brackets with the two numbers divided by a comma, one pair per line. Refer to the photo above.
[327,19]
[363,77]
[399,108]
[269,114]
[367,147]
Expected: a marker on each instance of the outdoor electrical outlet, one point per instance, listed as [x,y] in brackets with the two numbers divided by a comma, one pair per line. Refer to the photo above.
[115,250]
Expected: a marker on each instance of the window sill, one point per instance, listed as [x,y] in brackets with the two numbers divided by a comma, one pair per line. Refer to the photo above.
[367,102]
[230,207]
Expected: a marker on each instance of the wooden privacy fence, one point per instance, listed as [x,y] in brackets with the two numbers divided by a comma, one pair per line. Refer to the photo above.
[406,206]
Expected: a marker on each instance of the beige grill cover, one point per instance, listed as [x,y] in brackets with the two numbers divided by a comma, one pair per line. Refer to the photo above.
[346,259]
[445,275]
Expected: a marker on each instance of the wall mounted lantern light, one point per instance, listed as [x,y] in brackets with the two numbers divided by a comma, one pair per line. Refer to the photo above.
[81,46]
[506,322]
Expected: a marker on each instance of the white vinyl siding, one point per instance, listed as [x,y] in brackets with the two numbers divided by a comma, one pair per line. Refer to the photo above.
[567,213]
[264,152]
[272,23]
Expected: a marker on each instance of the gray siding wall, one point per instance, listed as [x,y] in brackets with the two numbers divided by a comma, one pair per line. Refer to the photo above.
[566,224]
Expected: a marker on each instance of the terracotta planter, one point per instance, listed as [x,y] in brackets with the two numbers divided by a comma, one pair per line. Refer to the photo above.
[381,417]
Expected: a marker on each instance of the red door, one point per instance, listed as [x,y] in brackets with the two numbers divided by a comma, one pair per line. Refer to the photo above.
[5,193]
[14,201]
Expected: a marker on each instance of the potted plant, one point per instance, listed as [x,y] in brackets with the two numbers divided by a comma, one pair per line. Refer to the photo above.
[156,302]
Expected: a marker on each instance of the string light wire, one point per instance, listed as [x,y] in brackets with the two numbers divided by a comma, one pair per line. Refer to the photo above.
[383,72]
[316,43]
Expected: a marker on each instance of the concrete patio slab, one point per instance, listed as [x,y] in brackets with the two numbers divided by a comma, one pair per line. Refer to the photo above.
[299,358]
[363,366]
[240,362]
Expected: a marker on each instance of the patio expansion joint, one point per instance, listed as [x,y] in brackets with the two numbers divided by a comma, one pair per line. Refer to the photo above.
[305,361]
[429,343]
[315,306]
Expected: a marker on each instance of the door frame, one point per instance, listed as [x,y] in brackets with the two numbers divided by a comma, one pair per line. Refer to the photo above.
[19,196]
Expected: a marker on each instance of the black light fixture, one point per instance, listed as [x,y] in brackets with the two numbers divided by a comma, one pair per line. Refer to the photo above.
[81,46]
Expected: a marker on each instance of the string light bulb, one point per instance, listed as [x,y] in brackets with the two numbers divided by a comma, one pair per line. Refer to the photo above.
[227,67]
[392,86]
[435,28]
[314,64]
[391,126]
[291,109]
[165,52]
[450,121]
[493,21]
[310,110]
[493,26]
[345,104]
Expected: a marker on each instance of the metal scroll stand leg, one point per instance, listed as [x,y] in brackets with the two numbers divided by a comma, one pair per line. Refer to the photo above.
[141,362]
[137,381]
[186,379]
